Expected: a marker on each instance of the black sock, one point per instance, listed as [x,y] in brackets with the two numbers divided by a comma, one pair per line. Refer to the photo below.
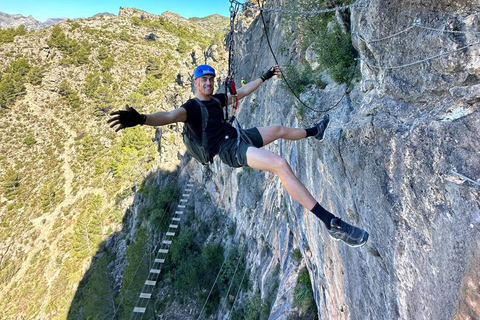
[312,131]
[323,214]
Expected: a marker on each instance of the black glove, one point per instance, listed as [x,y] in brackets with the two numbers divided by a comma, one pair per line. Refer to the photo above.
[268,74]
[131,118]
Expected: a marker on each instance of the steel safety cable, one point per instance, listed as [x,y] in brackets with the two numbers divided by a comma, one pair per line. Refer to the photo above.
[465,177]
[276,62]
[232,279]
[247,4]
[238,291]
[214,283]
[415,24]
[418,61]
[289,86]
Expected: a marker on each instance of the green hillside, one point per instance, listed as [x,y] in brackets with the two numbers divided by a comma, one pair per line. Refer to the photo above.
[65,176]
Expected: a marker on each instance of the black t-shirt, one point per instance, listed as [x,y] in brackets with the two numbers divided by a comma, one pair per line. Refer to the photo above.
[217,127]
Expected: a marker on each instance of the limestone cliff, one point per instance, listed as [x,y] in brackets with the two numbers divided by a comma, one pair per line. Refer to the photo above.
[387,164]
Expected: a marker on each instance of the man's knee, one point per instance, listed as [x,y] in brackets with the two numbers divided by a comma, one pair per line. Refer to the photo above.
[280,130]
[280,165]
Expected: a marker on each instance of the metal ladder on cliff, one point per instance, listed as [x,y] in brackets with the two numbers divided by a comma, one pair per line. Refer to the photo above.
[149,285]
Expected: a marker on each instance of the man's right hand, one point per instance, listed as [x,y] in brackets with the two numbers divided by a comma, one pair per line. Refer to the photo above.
[126,118]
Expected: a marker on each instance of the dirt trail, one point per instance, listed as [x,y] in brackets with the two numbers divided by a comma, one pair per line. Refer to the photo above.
[44,224]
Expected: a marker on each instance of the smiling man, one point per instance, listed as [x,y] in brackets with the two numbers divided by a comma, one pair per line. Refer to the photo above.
[207,133]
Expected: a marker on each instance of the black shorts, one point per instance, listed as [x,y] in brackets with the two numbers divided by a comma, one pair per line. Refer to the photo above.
[234,154]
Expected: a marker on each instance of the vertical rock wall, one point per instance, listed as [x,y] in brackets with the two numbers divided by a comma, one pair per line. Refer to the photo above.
[385,165]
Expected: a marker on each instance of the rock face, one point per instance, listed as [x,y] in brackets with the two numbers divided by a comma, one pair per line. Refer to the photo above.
[15,20]
[387,164]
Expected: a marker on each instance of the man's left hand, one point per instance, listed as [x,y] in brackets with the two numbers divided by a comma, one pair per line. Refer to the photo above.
[273,71]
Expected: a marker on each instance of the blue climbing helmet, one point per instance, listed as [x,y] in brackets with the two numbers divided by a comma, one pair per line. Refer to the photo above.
[202,70]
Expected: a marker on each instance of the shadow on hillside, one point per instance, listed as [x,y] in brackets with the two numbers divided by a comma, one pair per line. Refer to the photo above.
[101,293]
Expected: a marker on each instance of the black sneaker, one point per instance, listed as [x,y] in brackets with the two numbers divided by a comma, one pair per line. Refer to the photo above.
[322,126]
[351,235]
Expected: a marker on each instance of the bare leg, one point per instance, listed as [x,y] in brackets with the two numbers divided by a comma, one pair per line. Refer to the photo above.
[268,161]
[272,133]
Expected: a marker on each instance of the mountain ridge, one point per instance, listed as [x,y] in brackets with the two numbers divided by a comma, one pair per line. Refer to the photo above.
[15,20]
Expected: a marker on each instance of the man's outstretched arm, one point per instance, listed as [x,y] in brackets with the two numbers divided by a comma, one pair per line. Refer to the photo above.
[130,117]
[253,85]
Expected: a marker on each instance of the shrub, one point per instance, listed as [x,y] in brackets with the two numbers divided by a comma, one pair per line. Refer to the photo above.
[333,47]
[10,183]
[50,195]
[91,84]
[336,53]
[77,52]
[149,85]
[35,75]
[69,95]
[256,308]
[303,296]
[299,77]
[20,66]
[11,87]
[8,35]
[30,140]
[58,39]
[12,84]
[296,255]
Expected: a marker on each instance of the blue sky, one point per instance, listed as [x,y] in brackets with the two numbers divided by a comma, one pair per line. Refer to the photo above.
[44,9]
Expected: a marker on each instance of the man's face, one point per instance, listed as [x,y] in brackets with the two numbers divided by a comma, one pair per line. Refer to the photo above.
[205,84]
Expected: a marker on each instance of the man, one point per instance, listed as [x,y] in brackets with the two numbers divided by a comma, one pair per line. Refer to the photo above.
[222,140]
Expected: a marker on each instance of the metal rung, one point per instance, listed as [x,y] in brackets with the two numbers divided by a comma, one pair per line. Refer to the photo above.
[139,310]
[167,242]
[150,283]
[181,206]
[159,260]
[188,190]
[183,200]
[173,226]
[163,251]
[145,295]
[176,219]
[189,184]
[170,233]
[185,194]
[155,271]
[178,212]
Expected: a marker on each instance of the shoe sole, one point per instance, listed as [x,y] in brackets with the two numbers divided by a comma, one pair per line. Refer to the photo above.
[323,138]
